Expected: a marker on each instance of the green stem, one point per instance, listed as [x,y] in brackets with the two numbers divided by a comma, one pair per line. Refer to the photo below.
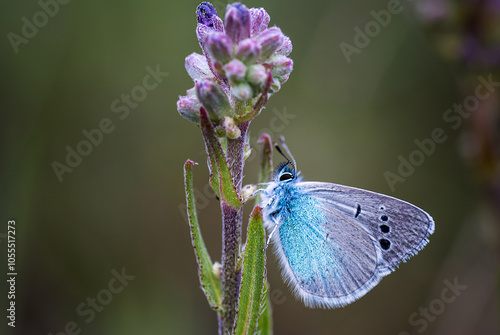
[231,238]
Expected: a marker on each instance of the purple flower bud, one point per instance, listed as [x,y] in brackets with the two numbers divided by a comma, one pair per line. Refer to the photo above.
[213,98]
[205,14]
[286,47]
[197,66]
[282,65]
[242,91]
[218,24]
[257,75]
[220,47]
[235,71]
[203,32]
[259,20]
[270,40]
[189,106]
[237,22]
[248,50]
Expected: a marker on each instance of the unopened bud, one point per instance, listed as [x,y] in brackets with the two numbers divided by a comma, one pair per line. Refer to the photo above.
[248,50]
[235,71]
[242,91]
[205,14]
[282,65]
[213,98]
[257,75]
[286,47]
[259,20]
[232,130]
[220,47]
[237,22]
[270,40]
[197,66]
[189,106]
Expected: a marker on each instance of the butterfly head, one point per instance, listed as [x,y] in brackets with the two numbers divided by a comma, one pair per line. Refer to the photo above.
[285,172]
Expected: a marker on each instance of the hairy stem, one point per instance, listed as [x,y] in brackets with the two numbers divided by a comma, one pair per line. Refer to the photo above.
[231,238]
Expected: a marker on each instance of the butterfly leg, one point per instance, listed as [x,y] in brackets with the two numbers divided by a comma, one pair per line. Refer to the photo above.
[271,233]
[271,199]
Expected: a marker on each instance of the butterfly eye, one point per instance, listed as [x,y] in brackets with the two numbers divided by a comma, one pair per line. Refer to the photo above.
[286,176]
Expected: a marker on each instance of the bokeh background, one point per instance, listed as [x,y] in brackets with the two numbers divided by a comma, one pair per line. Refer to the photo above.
[122,205]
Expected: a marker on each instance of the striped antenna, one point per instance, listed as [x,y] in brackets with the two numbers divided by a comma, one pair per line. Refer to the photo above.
[283,144]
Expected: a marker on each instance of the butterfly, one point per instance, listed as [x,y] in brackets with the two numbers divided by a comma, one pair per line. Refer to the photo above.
[334,243]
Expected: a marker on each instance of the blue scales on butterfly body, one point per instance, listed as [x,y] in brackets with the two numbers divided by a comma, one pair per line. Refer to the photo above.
[335,243]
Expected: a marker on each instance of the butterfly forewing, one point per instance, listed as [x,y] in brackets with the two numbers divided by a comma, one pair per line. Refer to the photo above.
[398,229]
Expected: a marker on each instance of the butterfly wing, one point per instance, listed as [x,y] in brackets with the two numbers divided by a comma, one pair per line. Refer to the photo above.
[329,240]
[328,259]
[399,229]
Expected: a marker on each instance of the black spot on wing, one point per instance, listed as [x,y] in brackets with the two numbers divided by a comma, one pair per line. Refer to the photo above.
[385,244]
[358,211]
[385,229]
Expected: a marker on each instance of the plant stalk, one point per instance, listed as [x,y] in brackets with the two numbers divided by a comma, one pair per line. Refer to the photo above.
[231,232]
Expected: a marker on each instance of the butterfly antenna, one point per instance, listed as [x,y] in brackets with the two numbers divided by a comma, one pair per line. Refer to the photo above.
[282,154]
[283,144]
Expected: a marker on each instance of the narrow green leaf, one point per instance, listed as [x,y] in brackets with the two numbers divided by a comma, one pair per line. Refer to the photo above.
[218,163]
[214,176]
[223,143]
[252,278]
[265,323]
[210,282]
[212,166]
[266,162]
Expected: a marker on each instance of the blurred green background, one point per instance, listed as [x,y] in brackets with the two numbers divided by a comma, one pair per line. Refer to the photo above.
[122,205]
